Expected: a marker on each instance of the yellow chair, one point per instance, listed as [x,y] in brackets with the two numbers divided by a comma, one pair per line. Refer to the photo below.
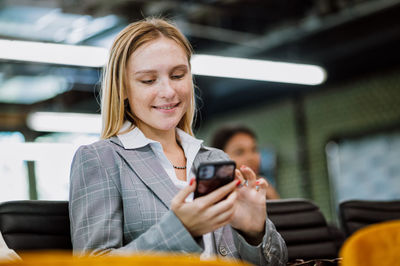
[51,258]
[374,245]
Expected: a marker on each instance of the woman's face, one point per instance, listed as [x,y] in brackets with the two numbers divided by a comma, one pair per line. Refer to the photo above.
[159,85]
[242,148]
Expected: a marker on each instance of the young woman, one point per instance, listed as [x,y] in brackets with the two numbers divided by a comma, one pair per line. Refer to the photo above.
[240,143]
[131,191]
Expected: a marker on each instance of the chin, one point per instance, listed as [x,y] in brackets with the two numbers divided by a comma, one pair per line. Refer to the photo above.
[168,126]
[255,170]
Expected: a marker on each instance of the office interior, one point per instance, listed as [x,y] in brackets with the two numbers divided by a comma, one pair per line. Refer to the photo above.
[329,139]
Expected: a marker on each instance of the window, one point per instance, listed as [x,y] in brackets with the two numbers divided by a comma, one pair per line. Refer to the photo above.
[14,181]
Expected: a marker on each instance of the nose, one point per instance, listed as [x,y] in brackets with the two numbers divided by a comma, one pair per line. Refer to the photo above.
[166,89]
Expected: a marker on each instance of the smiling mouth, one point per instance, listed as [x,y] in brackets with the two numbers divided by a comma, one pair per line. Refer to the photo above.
[169,107]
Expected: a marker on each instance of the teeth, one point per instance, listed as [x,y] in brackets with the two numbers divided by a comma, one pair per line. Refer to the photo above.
[166,108]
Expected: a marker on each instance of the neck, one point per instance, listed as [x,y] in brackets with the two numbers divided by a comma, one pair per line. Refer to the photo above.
[167,138]
[173,151]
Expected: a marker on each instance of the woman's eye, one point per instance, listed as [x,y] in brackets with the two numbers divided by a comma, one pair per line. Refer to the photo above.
[238,152]
[178,76]
[147,81]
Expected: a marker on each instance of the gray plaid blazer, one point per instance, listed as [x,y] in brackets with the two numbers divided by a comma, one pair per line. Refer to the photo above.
[119,202]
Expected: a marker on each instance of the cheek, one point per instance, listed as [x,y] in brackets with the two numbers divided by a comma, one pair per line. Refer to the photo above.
[257,157]
[140,98]
[186,89]
[238,159]
[133,102]
[256,162]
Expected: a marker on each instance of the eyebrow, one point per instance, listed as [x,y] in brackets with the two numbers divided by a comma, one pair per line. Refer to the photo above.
[145,71]
[180,66]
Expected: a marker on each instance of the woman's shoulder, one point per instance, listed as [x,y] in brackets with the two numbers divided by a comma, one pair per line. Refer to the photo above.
[212,154]
[101,149]
[102,144]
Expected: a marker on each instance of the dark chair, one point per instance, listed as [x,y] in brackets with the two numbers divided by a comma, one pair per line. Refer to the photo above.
[355,214]
[304,229]
[35,225]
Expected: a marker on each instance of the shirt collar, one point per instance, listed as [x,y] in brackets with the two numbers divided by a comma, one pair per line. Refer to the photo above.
[186,139]
[135,138]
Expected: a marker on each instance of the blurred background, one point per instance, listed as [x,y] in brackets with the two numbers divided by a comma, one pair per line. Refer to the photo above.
[333,140]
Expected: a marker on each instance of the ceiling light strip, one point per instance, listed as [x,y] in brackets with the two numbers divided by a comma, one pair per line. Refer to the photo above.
[208,65]
[52,53]
[263,70]
[64,122]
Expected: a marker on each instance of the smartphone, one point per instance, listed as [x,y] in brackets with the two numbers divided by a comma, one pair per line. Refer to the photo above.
[213,175]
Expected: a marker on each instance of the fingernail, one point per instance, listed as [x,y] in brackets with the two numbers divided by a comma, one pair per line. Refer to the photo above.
[257,183]
[238,183]
[191,181]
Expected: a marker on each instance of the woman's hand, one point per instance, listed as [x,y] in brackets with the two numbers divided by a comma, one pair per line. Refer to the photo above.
[208,213]
[250,207]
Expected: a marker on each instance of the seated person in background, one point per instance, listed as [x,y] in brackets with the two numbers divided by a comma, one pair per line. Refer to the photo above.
[132,191]
[240,143]
[6,254]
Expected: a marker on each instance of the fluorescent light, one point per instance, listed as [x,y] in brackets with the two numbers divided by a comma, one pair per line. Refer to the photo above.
[64,122]
[51,53]
[41,87]
[230,67]
[208,65]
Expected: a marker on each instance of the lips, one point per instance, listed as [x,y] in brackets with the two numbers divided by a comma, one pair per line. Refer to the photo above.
[166,106]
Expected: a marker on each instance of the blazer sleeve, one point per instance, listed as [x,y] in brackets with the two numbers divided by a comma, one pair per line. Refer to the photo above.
[96,213]
[271,251]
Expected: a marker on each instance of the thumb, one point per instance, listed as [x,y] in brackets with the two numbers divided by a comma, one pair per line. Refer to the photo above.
[185,192]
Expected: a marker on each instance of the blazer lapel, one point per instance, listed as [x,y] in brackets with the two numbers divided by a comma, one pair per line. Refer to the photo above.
[147,167]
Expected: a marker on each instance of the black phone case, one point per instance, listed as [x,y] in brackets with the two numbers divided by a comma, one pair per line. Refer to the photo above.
[210,184]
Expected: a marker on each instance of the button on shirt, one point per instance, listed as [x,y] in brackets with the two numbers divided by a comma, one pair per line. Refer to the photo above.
[136,139]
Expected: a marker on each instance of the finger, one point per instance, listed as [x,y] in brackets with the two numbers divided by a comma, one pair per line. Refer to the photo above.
[249,175]
[223,210]
[224,218]
[219,214]
[219,193]
[185,192]
[239,176]
[262,186]
[224,205]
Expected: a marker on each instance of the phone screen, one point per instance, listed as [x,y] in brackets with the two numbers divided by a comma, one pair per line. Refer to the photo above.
[211,176]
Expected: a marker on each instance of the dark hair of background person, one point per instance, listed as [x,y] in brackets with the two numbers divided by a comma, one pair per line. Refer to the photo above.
[224,134]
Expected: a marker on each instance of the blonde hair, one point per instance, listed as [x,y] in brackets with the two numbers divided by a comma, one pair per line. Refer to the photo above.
[115,108]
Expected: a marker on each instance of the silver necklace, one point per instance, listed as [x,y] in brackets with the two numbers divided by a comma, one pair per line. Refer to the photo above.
[179,167]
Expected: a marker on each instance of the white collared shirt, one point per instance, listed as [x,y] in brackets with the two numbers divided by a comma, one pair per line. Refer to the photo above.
[136,139]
